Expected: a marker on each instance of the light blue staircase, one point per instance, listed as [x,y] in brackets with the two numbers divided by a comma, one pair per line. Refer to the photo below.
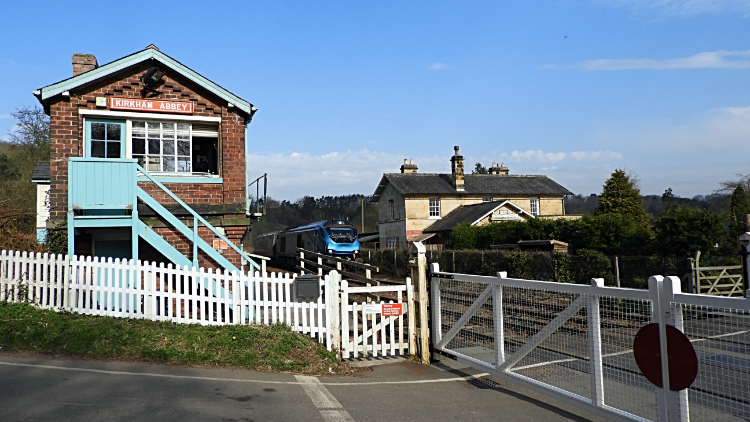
[108,189]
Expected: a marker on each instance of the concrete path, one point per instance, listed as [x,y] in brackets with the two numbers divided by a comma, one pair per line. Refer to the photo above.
[46,389]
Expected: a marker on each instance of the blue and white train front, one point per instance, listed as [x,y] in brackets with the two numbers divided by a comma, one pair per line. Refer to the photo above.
[339,238]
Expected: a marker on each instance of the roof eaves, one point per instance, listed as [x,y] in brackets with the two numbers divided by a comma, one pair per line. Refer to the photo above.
[133,59]
[503,203]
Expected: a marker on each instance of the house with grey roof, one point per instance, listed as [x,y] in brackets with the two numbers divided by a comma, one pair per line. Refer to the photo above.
[411,202]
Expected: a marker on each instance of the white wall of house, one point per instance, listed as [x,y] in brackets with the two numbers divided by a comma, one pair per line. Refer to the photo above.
[42,210]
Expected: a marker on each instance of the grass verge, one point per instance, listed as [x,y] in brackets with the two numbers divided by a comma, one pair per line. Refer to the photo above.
[268,348]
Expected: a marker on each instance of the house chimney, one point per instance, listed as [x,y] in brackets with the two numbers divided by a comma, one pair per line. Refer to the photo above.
[499,169]
[409,167]
[83,63]
[457,169]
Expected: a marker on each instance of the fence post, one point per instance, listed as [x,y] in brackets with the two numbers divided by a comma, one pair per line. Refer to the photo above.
[418,264]
[342,335]
[697,273]
[435,316]
[662,398]
[595,346]
[671,286]
[411,320]
[672,405]
[617,271]
[497,321]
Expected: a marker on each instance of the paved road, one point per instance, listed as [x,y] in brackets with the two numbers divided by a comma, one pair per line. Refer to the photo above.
[46,389]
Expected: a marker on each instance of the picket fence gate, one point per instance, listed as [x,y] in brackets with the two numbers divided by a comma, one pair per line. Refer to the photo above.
[159,292]
[373,333]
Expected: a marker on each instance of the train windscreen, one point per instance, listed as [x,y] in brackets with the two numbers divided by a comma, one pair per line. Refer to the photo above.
[341,234]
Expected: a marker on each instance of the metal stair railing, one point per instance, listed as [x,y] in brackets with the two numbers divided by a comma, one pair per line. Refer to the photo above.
[185,230]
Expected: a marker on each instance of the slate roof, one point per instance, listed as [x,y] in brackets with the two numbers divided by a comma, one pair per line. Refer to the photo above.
[474,184]
[41,172]
[462,214]
[46,93]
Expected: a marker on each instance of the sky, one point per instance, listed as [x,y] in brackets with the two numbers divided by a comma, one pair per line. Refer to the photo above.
[347,90]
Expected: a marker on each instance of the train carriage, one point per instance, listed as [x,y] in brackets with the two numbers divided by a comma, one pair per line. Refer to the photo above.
[330,237]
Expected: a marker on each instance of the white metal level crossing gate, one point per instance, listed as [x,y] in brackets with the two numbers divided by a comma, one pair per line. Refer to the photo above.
[574,343]
[377,329]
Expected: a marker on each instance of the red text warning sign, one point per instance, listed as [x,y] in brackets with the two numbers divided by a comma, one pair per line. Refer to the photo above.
[392,309]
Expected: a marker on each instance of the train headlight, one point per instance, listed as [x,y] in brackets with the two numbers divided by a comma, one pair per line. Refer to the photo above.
[330,251]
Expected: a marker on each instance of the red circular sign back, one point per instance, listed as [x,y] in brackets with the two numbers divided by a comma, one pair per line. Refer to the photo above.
[683,362]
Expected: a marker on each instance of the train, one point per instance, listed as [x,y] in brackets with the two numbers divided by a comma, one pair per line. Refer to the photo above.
[338,238]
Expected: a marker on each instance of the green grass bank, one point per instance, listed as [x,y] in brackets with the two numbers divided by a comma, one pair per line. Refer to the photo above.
[266,348]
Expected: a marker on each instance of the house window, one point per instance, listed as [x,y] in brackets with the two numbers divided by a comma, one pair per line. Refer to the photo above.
[434,207]
[487,199]
[392,242]
[162,146]
[534,206]
[392,208]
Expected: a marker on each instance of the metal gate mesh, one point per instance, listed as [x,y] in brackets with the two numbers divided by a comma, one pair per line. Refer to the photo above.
[721,339]
[625,388]
[562,359]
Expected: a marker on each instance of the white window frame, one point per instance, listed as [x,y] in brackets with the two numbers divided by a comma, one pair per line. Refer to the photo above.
[435,207]
[534,206]
[392,242]
[161,154]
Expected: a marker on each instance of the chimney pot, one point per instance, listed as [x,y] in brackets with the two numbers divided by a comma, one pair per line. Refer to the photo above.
[82,63]
[408,168]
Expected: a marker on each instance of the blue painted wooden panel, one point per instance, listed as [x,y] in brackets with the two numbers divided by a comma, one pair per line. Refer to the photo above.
[101,182]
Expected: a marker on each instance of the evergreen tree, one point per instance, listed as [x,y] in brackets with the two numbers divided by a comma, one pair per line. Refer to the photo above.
[620,196]
[682,231]
[479,169]
[739,208]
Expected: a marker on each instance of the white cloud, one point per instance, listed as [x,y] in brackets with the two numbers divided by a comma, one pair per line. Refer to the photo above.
[721,59]
[684,8]
[439,66]
[5,116]
[537,156]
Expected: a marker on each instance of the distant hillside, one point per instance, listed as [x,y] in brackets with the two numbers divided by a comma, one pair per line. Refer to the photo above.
[308,209]
[653,204]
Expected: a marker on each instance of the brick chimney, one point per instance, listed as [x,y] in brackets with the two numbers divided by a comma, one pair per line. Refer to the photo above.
[83,63]
[409,168]
[499,169]
[457,169]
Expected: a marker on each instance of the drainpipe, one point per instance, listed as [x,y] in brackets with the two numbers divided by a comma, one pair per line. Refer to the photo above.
[247,168]
[247,179]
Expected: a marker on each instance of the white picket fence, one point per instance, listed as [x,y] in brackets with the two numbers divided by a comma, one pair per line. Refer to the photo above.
[135,289]
[374,333]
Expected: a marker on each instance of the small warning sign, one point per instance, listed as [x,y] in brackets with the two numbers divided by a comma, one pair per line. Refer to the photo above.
[373,309]
[220,245]
[392,309]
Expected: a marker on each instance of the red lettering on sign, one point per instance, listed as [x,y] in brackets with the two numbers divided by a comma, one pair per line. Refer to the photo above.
[161,106]
[392,309]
